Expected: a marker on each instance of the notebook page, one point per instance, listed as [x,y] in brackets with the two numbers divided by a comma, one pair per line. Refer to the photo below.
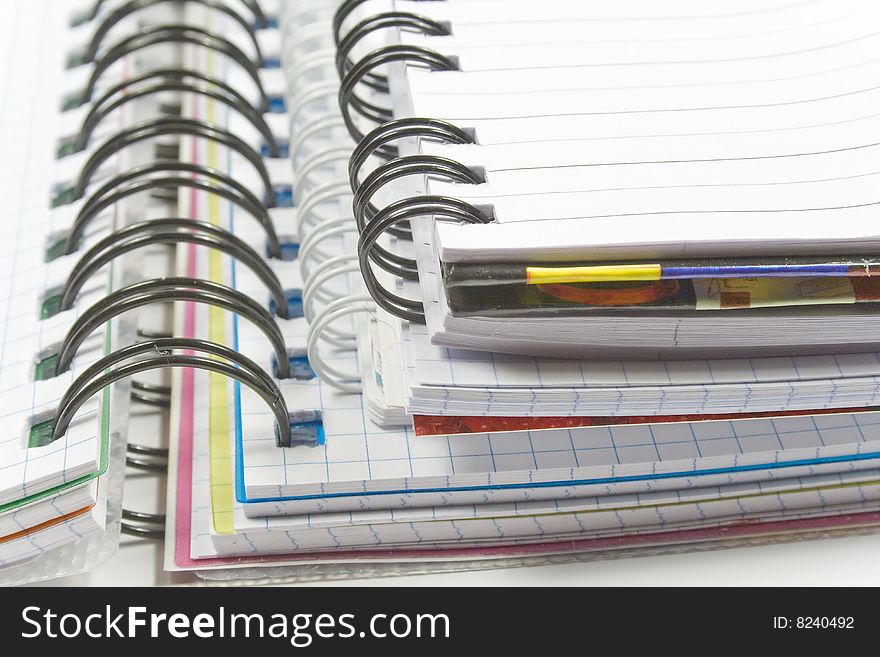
[336,532]
[569,23]
[431,528]
[433,535]
[192,548]
[35,514]
[30,127]
[450,381]
[530,176]
[807,64]
[419,527]
[522,11]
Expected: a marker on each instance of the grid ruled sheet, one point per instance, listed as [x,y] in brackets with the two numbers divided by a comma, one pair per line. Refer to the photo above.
[29,104]
[432,529]
[455,381]
[195,548]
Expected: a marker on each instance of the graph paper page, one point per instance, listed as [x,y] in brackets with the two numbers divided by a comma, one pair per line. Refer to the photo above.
[32,79]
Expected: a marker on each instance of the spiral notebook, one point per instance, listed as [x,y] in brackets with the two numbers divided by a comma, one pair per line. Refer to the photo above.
[202,163]
[645,217]
[272,483]
[441,379]
[465,468]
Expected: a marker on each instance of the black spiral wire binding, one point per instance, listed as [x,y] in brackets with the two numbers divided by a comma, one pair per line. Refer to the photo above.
[168,175]
[160,176]
[260,19]
[348,95]
[377,143]
[161,290]
[362,73]
[152,335]
[164,127]
[150,526]
[352,76]
[426,165]
[133,6]
[345,65]
[170,231]
[387,20]
[156,176]
[160,354]
[146,464]
[156,350]
[155,452]
[174,34]
[372,80]
[441,208]
[149,460]
[162,80]
[149,394]
[373,222]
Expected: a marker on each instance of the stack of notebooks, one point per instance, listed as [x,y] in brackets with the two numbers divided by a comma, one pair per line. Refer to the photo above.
[453,284]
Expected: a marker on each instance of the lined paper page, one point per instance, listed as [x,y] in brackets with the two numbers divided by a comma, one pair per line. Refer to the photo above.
[723,130]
